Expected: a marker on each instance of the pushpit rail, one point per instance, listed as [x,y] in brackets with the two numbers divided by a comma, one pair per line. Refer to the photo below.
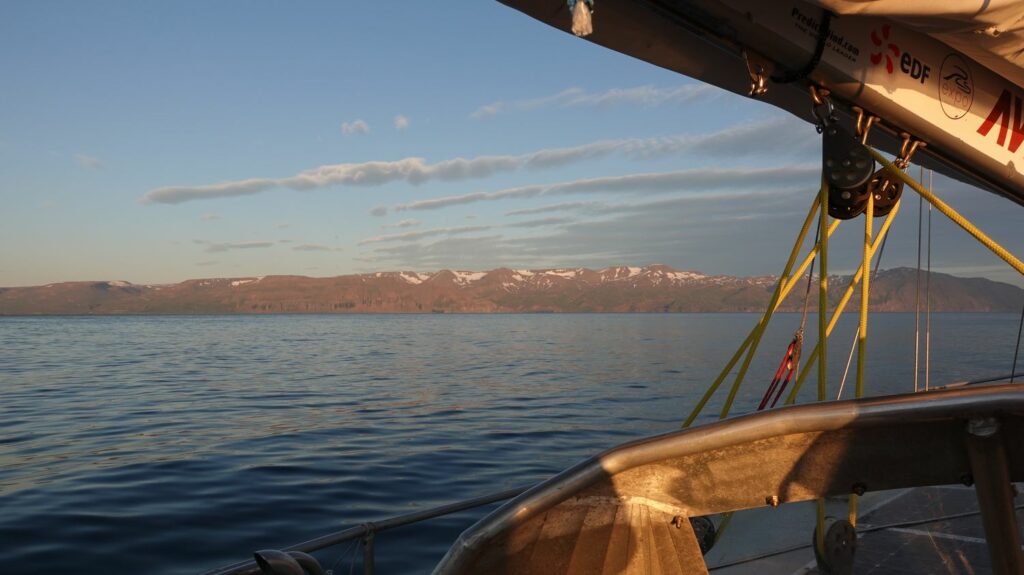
[367,531]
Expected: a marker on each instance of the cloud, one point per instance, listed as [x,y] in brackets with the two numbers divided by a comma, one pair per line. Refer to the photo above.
[313,248]
[379,211]
[87,162]
[697,179]
[209,217]
[409,236]
[401,122]
[409,223]
[577,97]
[706,232]
[471,252]
[281,225]
[787,136]
[355,127]
[560,207]
[541,222]
[207,263]
[217,247]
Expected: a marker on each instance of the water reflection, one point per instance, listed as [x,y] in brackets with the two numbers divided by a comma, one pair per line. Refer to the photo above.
[136,438]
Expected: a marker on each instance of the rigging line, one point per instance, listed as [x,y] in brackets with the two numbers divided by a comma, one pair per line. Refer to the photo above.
[949,212]
[1016,348]
[781,291]
[777,299]
[841,306]
[853,346]
[791,362]
[928,300]
[865,291]
[917,290]
[823,296]
[810,276]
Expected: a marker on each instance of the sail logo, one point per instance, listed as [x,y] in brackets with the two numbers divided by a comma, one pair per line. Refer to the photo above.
[1003,114]
[956,87]
[878,41]
[891,53]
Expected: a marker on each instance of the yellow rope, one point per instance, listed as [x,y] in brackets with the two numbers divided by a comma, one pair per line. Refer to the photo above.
[775,298]
[755,338]
[862,337]
[794,279]
[792,283]
[865,287]
[823,292]
[822,336]
[952,214]
[840,307]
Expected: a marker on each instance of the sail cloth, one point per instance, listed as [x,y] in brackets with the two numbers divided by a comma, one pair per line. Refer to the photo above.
[991,32]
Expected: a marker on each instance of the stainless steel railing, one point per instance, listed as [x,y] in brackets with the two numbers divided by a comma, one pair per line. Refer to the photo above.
[366,532]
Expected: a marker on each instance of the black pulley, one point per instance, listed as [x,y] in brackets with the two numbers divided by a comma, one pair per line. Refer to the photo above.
[848,168]
[887,190]
[840,544]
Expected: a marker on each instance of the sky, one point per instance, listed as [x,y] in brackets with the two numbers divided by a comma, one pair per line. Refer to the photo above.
[159,142]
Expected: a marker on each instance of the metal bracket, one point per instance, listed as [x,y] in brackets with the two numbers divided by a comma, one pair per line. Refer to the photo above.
[758,69]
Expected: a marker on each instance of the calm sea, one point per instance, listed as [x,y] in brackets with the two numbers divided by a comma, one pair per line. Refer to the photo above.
[177,444]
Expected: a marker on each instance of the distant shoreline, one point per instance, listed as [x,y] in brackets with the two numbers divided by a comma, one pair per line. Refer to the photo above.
[650,289]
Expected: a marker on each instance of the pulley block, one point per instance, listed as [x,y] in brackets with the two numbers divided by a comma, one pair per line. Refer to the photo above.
[848,168]
[887,190]
[840,544]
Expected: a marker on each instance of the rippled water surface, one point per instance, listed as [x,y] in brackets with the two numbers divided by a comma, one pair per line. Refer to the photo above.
[177,444]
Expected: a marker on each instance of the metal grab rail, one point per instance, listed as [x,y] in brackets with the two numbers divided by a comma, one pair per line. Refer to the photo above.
[369,529]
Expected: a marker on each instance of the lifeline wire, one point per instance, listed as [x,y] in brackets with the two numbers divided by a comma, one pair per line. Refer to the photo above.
[916,292]
[1016,348]
[853,346]
[928,301]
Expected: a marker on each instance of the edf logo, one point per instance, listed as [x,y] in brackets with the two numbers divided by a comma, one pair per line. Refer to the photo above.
[889,51]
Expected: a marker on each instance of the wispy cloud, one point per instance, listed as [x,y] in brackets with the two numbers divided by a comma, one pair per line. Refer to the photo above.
[355,127]
[473,252]
[209,217]
[409,223]
[87,162]
[217,247]
[577,97]
[698,179]
[560,207]
[692,232]
[540,223]
[401,122]
[788,137]
[313,248]
[409,236]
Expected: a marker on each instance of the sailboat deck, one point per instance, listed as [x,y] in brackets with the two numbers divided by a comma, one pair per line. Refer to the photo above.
[921,530]
[604,537]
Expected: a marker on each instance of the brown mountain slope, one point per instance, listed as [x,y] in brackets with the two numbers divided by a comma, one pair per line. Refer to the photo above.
[654,288]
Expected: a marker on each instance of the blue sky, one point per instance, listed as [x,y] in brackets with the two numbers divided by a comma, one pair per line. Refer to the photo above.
[157,142]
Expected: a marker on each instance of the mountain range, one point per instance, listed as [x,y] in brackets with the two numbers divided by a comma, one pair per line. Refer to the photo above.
[654,288]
